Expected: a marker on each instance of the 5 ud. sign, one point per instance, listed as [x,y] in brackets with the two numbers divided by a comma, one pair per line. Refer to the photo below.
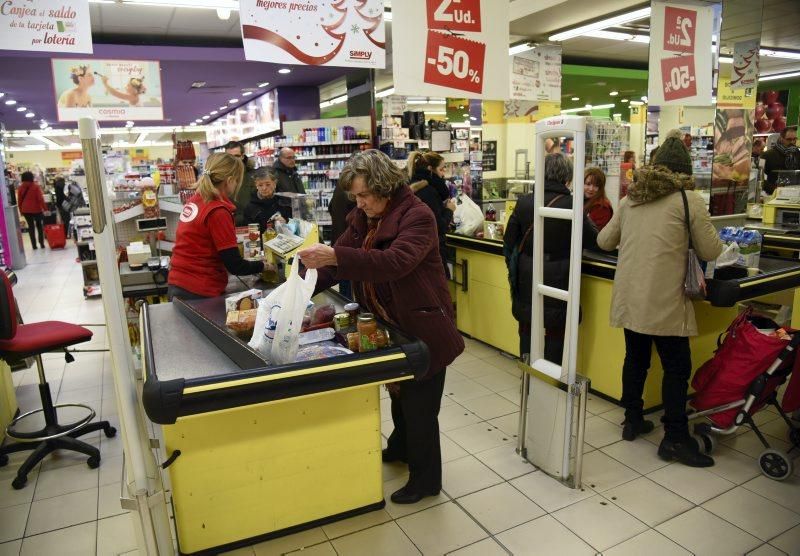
[681,70]
[448,56]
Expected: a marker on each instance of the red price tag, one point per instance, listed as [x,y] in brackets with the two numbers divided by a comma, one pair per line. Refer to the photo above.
[455,15]
[454,62]
[680,25]
[678,78]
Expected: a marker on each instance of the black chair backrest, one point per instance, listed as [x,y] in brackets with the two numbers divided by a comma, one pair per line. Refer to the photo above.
[8,309]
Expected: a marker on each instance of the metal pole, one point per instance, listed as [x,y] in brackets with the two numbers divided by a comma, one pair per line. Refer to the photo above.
[522,426]
[134,437]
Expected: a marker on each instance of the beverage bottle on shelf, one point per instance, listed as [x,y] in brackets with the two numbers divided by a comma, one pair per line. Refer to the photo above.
[270,273]
[491,213]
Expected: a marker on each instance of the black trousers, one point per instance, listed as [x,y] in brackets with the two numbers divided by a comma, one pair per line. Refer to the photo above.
[553,343]
[676,360]
[65,218]
[415,438]
[36,220]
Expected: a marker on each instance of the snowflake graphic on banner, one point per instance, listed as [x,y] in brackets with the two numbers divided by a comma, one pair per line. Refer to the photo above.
[339,33]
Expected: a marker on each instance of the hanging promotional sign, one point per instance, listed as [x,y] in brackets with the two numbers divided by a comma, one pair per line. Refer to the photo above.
[451,48]
[344,33]
[536,74]
[107,90]
[681,66]
[46,25]
[744,70]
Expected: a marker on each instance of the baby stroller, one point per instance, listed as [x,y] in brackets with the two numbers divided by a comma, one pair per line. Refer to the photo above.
[744,376]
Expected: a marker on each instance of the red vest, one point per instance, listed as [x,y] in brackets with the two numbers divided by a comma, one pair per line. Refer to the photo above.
[196,265]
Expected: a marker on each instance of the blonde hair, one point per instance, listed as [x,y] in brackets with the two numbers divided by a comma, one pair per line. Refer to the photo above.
[418,161]
[219,167]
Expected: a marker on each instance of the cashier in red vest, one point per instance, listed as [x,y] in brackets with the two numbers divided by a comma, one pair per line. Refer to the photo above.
[205,244]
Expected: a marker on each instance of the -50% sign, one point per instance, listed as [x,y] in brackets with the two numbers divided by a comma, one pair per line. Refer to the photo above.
[454,62]
[678,77]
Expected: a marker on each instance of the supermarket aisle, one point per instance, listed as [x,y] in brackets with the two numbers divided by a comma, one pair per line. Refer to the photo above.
[492,502]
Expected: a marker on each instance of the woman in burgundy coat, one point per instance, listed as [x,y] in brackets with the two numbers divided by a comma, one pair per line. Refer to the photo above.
[390,252]
[32,206]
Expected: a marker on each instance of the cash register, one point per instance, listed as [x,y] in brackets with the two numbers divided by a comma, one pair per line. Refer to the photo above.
[784,208]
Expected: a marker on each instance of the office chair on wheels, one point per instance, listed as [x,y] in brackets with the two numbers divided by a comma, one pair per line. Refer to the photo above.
[18,341]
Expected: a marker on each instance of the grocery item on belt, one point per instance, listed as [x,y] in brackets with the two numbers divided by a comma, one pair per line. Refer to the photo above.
[243,301]
[316,336]
[322,350]
[241,322]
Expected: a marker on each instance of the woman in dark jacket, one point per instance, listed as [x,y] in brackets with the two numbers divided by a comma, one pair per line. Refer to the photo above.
[263,204]
[557,238]
[32,206]
[58,185]
[390,253]
[426,171]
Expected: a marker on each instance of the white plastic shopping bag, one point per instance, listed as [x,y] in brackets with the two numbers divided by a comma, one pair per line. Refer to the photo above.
[468,216]
[280,317]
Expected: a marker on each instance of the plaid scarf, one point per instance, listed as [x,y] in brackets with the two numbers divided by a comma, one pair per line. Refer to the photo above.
[790,154]
[368,294]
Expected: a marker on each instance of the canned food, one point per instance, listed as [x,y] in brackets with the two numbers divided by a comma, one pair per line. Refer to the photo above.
[367,332]
[352,310]
[352,341]
[341,321]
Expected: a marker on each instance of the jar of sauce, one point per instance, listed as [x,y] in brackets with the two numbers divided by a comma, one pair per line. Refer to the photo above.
[367,330]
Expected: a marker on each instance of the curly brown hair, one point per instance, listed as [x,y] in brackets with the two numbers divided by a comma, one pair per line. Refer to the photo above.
[381,176]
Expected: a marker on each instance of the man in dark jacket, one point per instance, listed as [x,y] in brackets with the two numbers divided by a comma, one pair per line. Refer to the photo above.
[247,188]
[557,238]
[390,252]
[289,180]
[783,156]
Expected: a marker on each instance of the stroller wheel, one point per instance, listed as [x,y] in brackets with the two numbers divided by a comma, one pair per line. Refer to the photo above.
[775,464]
[706,441]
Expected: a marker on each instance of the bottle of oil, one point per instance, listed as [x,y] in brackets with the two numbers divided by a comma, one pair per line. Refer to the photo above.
[270,273]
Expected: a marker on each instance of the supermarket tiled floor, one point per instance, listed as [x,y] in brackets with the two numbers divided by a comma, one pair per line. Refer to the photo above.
[492,502]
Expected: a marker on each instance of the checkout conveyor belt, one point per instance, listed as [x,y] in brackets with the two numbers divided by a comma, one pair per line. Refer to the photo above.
[189,371]
[730,287]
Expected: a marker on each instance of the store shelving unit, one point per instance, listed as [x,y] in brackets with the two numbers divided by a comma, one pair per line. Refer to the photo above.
[85,242]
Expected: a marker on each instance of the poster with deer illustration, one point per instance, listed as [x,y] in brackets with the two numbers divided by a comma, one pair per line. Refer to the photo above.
[346,33]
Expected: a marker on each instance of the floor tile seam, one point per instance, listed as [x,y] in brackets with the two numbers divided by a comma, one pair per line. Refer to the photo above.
[502,480]
[607,499]
[64,493]
[60,529]
[653,528]
[712,512]
[407,535]
[590,545]
[25,528]
[726,521]
[770,499]
[546,475]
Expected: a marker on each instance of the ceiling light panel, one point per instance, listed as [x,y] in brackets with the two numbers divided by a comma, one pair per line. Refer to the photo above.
[602,24]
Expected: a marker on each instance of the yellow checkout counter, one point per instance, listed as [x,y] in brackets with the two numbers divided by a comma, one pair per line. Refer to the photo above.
[483,309]
[254,452]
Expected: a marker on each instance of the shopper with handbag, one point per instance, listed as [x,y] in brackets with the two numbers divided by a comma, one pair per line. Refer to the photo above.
[32,206]
[655,227]
[518,250]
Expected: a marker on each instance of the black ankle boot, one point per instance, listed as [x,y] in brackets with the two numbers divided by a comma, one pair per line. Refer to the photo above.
[686,451]
[632,429]
[411,495]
